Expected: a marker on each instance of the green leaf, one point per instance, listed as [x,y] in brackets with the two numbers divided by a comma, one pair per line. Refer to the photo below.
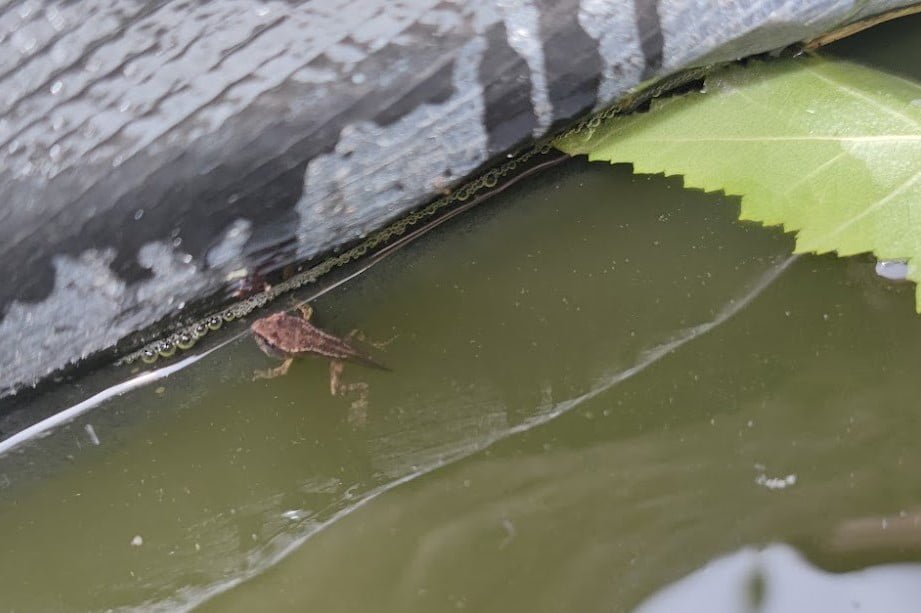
[829,149]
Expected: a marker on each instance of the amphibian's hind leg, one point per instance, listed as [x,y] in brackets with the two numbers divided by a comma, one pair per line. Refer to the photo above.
[271,373]
[337,387]
[358,410]
[364,339]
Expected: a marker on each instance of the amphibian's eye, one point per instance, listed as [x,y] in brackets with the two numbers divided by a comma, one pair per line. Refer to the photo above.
[166,349]
[215,322]
[229,316]
[200,330]
[149,356]
[185,341]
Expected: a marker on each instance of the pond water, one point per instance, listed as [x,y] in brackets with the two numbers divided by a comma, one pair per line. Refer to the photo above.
[604,390]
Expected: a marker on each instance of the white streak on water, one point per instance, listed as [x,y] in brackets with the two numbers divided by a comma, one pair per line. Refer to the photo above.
[44,427]
[91,432]
[189,598]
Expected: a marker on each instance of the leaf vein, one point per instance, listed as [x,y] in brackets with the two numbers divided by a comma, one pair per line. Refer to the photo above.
[854,93]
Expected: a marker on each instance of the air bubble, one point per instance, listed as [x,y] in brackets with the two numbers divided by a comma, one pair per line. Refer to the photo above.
[166,349]
[894,270]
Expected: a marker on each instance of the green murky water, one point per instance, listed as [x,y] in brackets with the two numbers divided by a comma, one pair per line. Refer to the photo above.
[600,383]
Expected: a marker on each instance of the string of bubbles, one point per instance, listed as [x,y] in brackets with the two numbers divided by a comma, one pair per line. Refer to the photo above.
[484,185]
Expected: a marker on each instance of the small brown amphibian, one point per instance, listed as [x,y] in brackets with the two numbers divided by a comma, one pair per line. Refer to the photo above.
[289,337]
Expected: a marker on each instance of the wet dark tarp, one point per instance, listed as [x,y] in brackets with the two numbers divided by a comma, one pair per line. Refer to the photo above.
[154,153]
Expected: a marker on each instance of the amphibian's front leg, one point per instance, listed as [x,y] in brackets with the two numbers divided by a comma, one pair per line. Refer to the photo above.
[306,311]
[271,373]
[335,376]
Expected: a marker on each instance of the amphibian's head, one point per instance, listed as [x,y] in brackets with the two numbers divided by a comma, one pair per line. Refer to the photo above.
[279,334]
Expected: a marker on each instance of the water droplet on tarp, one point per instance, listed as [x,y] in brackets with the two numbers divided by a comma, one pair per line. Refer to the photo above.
[894,270]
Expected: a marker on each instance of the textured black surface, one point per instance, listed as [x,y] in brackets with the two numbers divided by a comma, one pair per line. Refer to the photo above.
[507,92]
[651,41]
[572,59]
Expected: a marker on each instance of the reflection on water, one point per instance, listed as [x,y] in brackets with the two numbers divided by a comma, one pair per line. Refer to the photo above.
[777,579]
